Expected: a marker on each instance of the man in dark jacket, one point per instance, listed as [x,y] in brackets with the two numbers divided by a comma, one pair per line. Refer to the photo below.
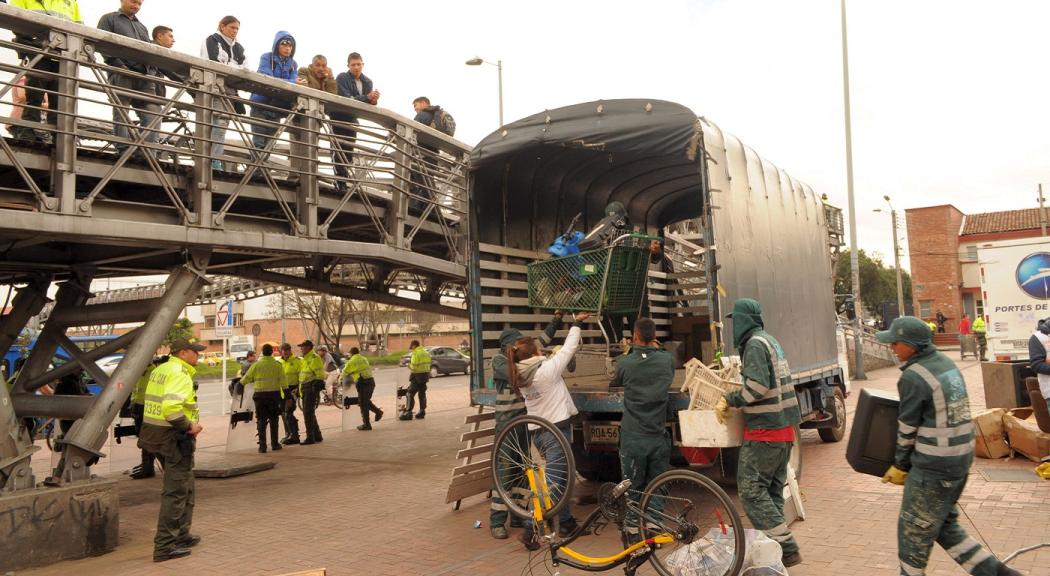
[351,84]
[280,64]
[422,177]
[125,22]
[646,375]
[1038,344]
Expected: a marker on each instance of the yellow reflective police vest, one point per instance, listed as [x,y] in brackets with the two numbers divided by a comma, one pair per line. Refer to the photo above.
[292,366]
[420,361]
[266,374]
[64,9]
[138,395]
[357,367]
[312,368]
[169,394]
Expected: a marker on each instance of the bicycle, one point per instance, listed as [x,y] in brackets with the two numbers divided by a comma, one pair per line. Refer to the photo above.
[683,520]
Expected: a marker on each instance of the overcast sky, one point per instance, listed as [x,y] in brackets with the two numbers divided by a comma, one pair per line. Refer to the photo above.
[948,95]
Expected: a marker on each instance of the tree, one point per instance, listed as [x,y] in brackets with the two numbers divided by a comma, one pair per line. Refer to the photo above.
[329,314]
[183,328]
[878,283]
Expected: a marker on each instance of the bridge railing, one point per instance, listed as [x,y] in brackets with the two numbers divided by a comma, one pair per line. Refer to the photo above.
[333,167]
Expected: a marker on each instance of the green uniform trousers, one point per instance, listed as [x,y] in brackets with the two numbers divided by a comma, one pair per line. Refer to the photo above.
[928,515]
[176,500]
[760,477]
[642,458]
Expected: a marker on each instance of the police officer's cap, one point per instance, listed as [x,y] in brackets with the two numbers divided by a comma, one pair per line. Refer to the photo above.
[187,344]
[309,343]
[907,329]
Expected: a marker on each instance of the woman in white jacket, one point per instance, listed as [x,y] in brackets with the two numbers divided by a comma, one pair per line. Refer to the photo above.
[539,380]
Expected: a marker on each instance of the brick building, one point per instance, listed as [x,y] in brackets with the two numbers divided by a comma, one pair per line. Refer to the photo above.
[942,249]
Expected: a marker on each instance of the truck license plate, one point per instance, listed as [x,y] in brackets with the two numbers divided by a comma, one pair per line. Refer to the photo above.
[606,433]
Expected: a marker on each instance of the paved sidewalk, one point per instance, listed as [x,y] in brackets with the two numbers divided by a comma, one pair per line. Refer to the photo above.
[372,503]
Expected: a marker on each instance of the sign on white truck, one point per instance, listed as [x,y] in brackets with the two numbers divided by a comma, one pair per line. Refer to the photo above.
[1015,287]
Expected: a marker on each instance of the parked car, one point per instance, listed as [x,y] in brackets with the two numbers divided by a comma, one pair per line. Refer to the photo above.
[109,363]
[444,360]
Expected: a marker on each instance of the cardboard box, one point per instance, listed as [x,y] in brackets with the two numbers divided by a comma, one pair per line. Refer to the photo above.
[990,434]
[1024,436]
[701,429]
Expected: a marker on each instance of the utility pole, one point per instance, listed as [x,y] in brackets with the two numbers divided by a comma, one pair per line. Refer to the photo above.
[897,264]
[854,257]
[1042,211]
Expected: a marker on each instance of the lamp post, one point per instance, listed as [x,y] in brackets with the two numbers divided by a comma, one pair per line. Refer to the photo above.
[854,258]
[896,257]
[477,61]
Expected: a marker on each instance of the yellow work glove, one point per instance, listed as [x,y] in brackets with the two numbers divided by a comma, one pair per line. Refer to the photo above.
[895,476]
[1043,470]
[721,408]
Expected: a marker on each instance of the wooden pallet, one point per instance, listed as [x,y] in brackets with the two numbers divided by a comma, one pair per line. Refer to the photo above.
[474,473]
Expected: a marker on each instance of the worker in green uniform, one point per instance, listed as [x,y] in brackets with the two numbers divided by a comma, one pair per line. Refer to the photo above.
[510,405]
[419,368]
[980,332]
[311,380]
[292,365]
[138,400]
[935,443]
[771,412]
[645,374]
[170,426]
[266,375]
[358,371]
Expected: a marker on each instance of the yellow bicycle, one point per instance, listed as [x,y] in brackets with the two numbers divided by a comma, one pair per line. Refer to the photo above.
[683,523]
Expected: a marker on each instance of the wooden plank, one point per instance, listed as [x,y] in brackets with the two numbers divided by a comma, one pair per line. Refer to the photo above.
[466,436]
[504,251]
[483,417]
[468,452]
[686,274]
[472,467]
[497,283]
[503,267]
[687,286]
[469,485]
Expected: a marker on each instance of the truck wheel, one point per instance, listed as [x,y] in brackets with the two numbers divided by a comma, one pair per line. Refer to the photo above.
[837,431]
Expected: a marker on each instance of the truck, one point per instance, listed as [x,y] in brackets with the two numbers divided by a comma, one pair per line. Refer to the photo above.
[1015,289]
[240,346]
[732,225]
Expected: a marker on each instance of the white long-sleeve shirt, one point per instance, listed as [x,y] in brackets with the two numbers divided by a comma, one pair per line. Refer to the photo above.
[548,397]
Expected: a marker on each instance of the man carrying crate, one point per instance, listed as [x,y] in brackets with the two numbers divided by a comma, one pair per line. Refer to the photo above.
[771,412]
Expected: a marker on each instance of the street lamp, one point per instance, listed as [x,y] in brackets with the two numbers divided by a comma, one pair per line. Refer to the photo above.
[854,257]
[896,257]
[477,61]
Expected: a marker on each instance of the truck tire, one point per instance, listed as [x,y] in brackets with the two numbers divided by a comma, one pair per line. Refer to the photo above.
[837,431]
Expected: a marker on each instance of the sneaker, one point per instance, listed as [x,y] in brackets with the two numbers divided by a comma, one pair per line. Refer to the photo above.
[171,554]
[421,415]
[379,415]
[189,541]
[793,559]
[405,416]
[365,427]
[499,532]
[529,541]
[308,442]
[142,473]
[216,165]
[292,440]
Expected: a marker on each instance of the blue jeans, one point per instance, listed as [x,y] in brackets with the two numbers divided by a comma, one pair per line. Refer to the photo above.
[261,132]
[557,469]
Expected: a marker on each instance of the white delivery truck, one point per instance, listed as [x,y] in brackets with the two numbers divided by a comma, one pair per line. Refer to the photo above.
[240,346]
[1015,287]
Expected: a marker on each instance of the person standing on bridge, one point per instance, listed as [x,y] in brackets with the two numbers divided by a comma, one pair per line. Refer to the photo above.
[280,64]
[36,84]
[267,375]
[419,368]
[935,448]
[350,84]
[292,365]
[646,375]
[170,428]
[771,413]
[318,75]
[125,22]
[224,48]
[311,380]
[359,371]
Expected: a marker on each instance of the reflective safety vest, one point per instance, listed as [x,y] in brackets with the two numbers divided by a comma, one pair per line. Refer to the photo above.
[169,394]
[357,367]
[138,395]
[266,374]
[767,397]
[934,430]
[420,361]
[292,366]
[979,325]
[64,9]
[312,368]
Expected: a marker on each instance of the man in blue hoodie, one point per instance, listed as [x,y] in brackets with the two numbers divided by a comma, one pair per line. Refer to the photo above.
[280,64]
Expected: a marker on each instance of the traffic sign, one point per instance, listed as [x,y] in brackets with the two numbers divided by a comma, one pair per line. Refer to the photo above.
[224,319]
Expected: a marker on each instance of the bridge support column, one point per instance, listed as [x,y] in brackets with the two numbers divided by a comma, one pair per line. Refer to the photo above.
[64,160]
[88,434]
[71,294]
[397,212]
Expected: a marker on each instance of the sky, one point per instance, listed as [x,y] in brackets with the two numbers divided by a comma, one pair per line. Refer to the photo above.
[947,95]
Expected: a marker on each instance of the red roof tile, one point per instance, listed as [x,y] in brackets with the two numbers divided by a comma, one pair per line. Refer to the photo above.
[1006,221]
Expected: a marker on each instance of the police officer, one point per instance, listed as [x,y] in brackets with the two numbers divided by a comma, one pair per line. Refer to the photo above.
[935,441]
[646,375]
[419,368]
[980,332]
[771,412]
[510,405]
[359,371]
[292,365]
[311,380]
[138,401]
[170,427]
[267,376]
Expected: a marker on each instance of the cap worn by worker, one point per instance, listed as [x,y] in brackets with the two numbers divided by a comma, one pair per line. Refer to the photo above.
[907,329]
[306,343]
[187,344]
[508,337]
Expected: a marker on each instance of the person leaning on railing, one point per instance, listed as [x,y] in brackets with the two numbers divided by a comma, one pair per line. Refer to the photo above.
[125,22]
[37,83]
[224,48]
[279,64]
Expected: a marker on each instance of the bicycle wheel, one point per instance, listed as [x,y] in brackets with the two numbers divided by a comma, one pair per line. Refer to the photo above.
[708,533]
[530,443]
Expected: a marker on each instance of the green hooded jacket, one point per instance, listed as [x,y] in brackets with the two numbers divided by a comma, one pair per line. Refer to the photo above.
[767,396]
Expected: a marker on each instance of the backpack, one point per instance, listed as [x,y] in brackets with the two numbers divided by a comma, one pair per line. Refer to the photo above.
[444,122]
